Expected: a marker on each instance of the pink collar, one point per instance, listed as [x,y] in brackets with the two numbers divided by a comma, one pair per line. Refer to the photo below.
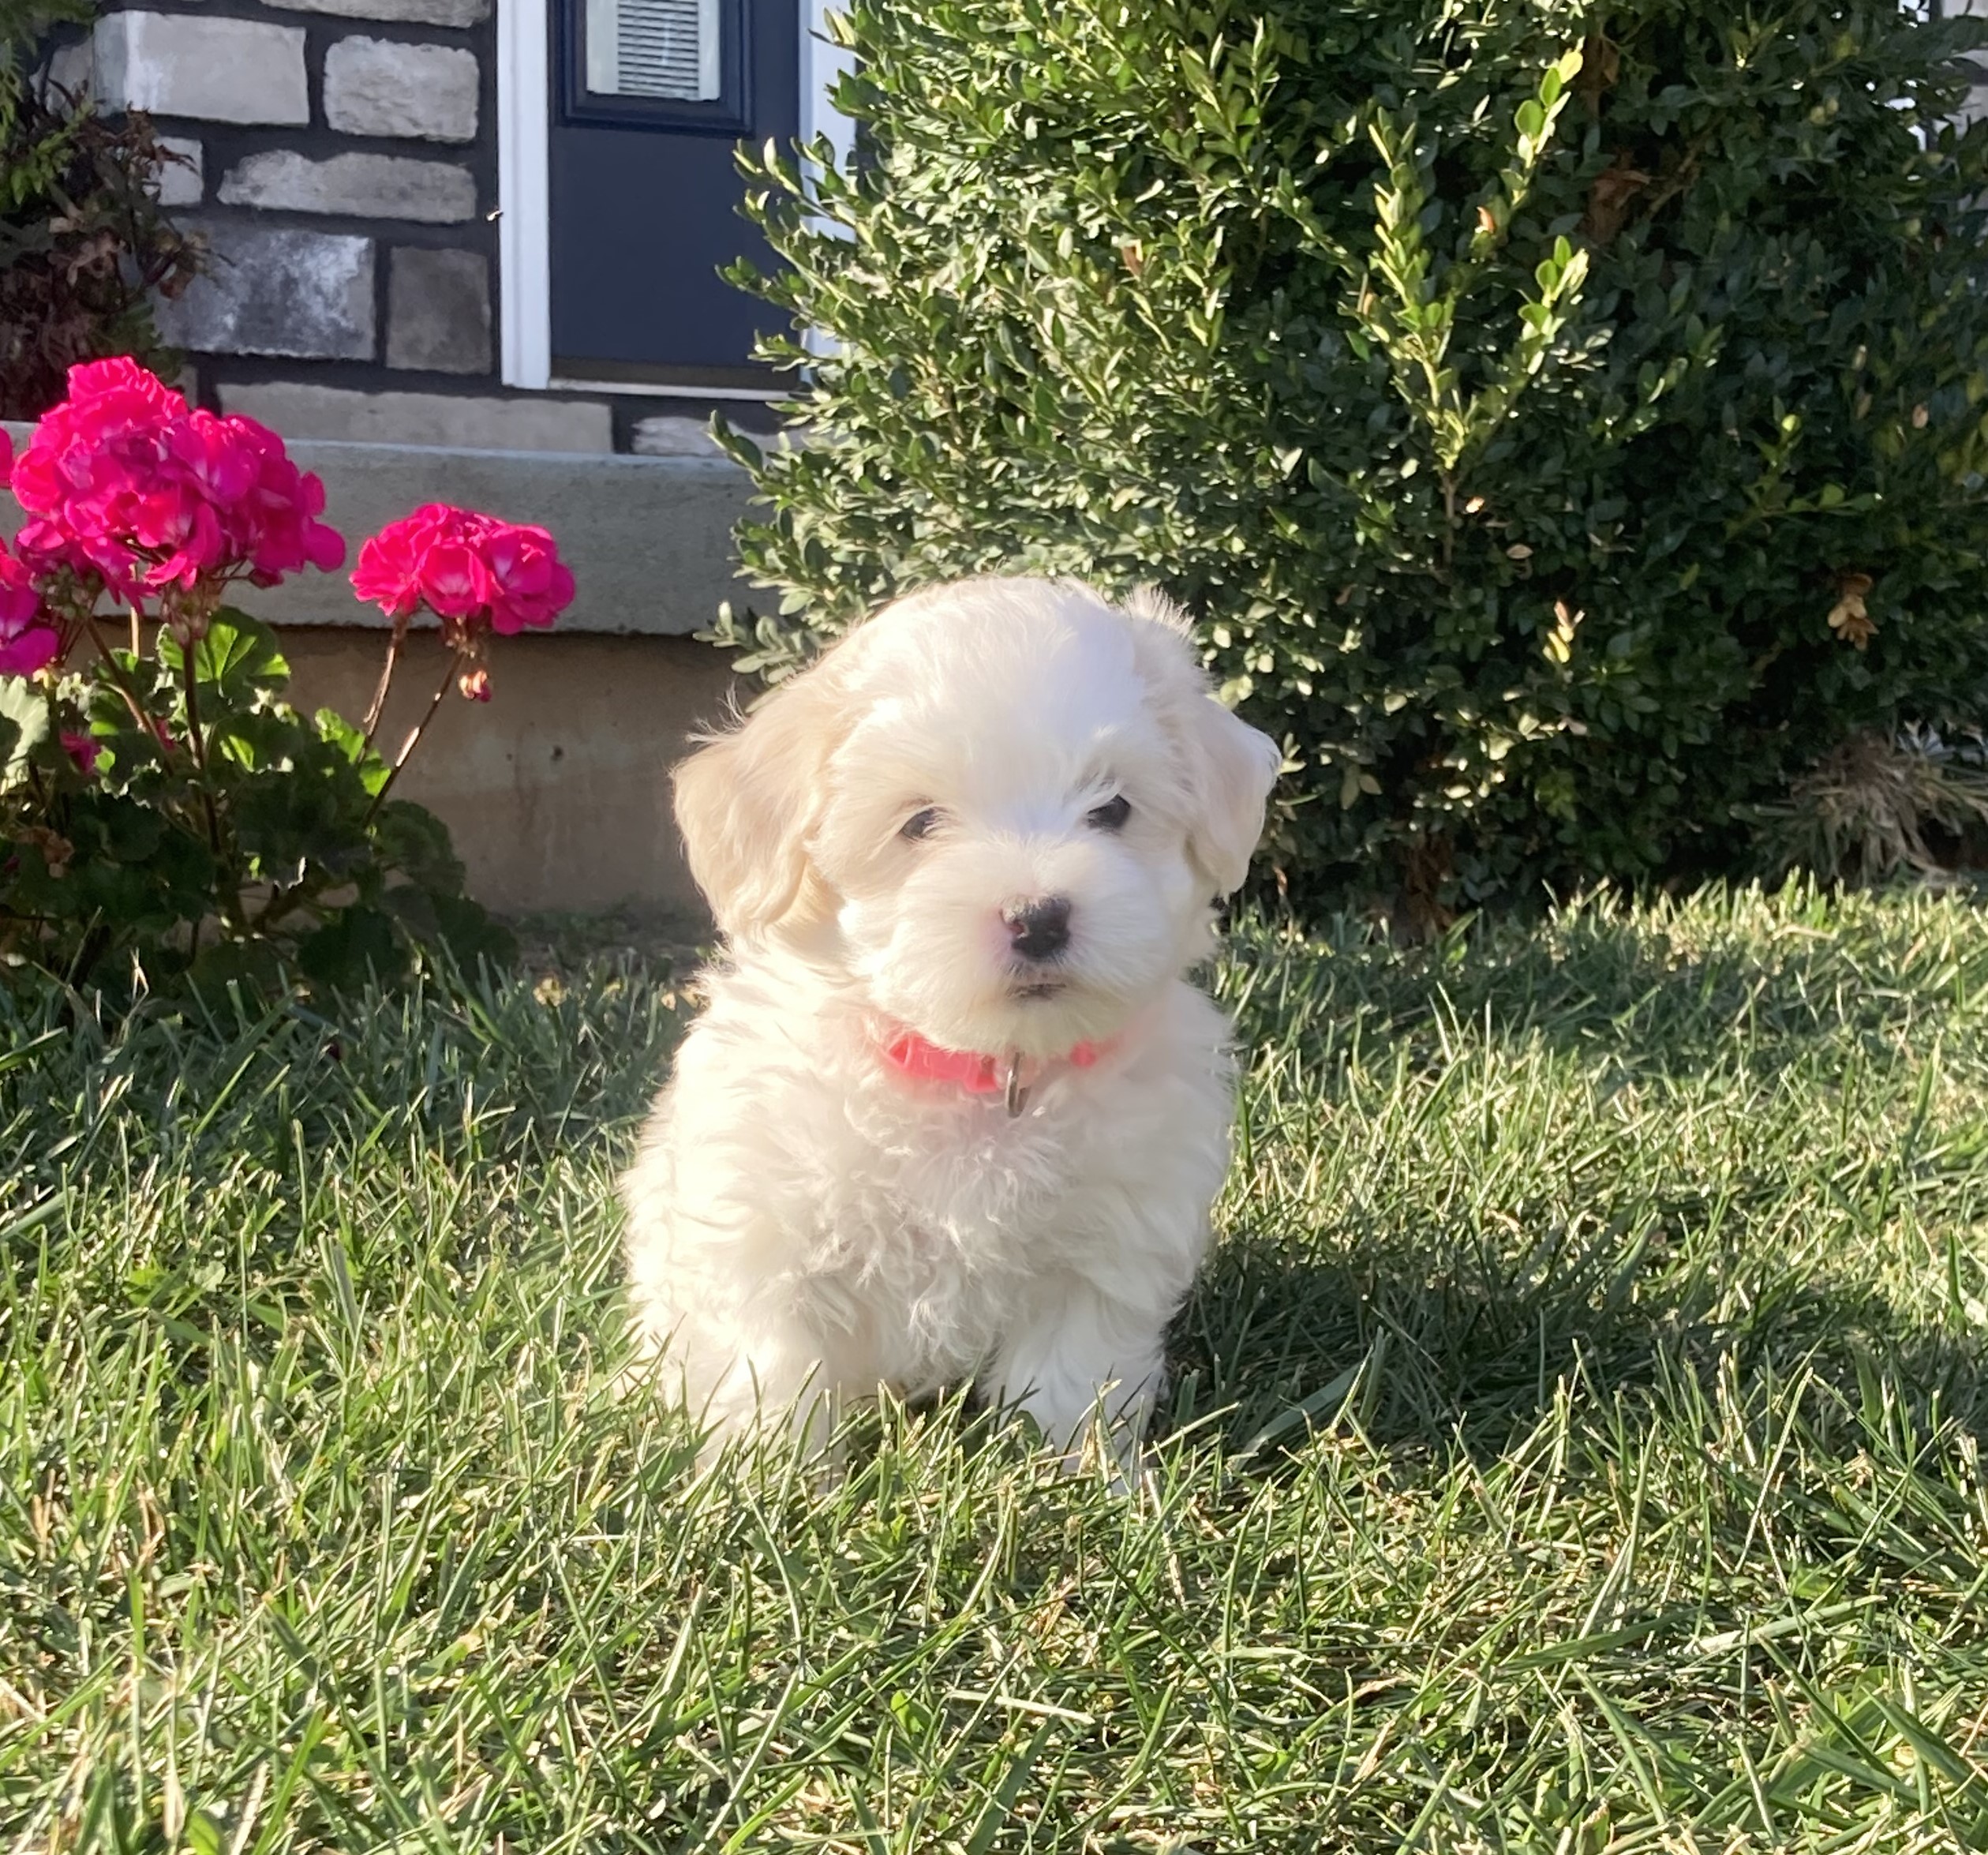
[1013,1075]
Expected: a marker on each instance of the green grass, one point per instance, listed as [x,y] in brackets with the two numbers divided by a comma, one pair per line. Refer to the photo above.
[1574,1445]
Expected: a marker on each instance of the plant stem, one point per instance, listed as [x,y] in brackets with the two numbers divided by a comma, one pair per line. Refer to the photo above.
[379,706]
[414,739]
[232,910]
[192,682]
[137,636]
[118,676]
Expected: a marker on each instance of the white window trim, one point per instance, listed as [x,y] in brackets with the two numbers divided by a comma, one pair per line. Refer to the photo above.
[524,189]
[822,62]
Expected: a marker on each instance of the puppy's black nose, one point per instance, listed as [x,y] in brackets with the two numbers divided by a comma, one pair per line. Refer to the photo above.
[1039,929]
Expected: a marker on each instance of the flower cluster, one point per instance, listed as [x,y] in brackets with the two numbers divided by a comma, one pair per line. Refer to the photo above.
[474,572]
[132,491]
[28,642]
[175,804]
[466,568]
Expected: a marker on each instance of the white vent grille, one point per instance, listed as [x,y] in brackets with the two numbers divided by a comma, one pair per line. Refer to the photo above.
[659,48]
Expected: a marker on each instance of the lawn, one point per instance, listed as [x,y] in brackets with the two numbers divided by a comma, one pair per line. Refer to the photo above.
[1574,1444]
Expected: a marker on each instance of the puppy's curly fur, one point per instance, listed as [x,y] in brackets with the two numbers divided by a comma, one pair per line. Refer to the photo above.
[989,822]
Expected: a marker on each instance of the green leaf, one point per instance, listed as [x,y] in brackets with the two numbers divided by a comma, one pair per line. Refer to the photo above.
[234,663]
[415,843]
[357,946]
[253,968]
[414,909]
[294,823]
[24,727]
[474,935]
[348,740]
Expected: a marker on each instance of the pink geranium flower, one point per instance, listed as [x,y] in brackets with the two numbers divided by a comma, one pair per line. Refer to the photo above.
[181,530]
[267,507]
[19,603]
[124,483]
[32,648]
[28,642]
[472,570]
[389,572]
[120,375]
[455,581]
[83,749]
[531,584]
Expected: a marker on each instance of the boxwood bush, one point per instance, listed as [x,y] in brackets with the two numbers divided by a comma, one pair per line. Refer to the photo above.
[1566,421]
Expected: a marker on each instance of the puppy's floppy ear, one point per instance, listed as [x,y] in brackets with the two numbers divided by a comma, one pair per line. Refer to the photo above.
[1231,766]
[747,800]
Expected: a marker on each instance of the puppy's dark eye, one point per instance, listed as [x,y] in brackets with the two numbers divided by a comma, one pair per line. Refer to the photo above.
[920,824]
[1111,815]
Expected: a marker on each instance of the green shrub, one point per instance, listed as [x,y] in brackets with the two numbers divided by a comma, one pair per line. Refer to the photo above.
[1568,421]
[83,243]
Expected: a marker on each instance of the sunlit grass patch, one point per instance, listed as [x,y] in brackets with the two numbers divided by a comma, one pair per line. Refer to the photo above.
[1573,1445]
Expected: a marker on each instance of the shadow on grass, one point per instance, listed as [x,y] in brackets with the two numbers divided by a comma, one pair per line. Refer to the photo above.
[1423,1344]
[1668,992]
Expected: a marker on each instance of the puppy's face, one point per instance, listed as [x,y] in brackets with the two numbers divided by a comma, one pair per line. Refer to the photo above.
[1003,804]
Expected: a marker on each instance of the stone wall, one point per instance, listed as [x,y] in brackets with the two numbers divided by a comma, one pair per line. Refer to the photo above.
[340,158]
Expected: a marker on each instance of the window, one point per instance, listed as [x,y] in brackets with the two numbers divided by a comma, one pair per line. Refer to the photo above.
[653,48]
[680,65]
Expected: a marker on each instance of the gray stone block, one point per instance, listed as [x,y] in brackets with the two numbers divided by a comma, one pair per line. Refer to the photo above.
[222,70]
[368,186]
[178,185]
[71,68]
[381,87]
[277,290]
[534,423]
[673,434]
[411,13]
[438,310]
[648,538]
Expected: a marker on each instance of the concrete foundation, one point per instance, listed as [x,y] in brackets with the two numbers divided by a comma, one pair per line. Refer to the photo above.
[556,790]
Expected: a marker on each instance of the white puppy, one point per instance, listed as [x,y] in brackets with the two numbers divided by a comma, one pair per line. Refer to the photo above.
[952,1108]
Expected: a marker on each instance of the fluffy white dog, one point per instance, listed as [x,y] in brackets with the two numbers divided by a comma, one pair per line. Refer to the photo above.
[952,1108]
